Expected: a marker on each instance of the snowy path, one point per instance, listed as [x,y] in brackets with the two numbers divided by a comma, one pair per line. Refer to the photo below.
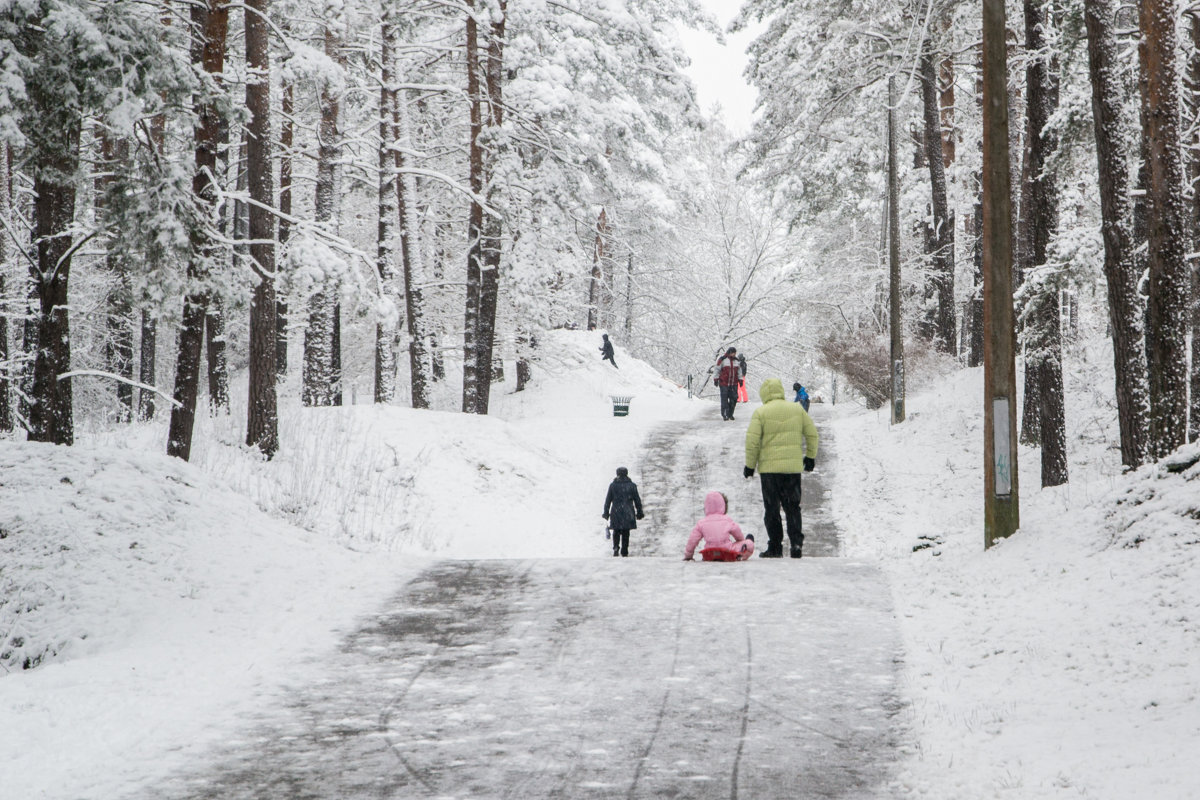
[605,678]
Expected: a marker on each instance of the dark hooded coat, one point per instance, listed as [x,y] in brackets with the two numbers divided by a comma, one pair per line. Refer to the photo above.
[623,504]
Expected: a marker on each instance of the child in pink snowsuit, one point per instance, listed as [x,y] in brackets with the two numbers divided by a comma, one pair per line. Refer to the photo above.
[723,539]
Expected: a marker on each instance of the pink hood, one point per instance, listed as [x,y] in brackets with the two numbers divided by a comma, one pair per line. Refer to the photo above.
[714,503]
[715,528]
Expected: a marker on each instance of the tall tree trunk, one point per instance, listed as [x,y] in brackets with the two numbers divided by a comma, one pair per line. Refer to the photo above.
[214,319]
[597,283]
[148,348]
[473,378]
[1194,183]
[6,415]
[489,278]
[1169,311]
[147,365]
[50,412]
[210,26]
[386,334]
[941,232]
[320,337]
[412,262]
[118,320]
[262,417]
[1043,330]
[975,302]
[286,135]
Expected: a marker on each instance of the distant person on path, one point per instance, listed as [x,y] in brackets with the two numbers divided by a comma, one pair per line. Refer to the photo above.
[728,372]
[801,394]
[743,396]
[606,351]
[781,442]
[622,509]
[723,539]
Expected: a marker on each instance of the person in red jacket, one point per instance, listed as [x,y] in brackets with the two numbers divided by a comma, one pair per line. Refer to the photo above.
[728,373]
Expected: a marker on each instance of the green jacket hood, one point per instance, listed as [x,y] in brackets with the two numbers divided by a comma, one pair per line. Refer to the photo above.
[771,389]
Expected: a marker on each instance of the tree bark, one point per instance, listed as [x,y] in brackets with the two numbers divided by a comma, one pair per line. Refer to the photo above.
[1194,183]
[473,378]
[210,26]
[286,136]
[1043,332]
[320,337]
[6,415]
[386,334]
[1169,306]
[411,261]
[941,232]
[490,245]
[50,412]
[262,417]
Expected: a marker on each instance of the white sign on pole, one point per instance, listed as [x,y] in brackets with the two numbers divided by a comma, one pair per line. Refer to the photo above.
[1001,441]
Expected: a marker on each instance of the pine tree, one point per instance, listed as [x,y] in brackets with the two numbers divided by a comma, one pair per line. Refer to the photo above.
[1169,287]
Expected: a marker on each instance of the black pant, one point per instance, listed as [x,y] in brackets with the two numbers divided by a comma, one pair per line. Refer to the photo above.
[621,541]
[610,358]
[782,489]
[728,401]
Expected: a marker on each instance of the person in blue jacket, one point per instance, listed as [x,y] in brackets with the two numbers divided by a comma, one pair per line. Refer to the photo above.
[801,395]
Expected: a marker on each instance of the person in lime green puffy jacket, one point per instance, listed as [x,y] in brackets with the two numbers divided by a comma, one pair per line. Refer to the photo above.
[781,443]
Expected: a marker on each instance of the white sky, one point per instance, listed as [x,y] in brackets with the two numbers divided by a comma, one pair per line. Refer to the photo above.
[717,69]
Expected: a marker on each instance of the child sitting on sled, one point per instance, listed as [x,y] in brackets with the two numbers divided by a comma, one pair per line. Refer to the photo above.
[723,539]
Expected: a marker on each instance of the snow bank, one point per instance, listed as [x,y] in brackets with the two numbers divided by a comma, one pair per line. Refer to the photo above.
[527,480]
[1064,662]
[159,600]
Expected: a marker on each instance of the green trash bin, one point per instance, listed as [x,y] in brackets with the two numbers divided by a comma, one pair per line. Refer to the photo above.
[621,405]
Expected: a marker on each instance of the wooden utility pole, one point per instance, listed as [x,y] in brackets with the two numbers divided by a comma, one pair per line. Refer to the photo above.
[1001,500]
[893,203]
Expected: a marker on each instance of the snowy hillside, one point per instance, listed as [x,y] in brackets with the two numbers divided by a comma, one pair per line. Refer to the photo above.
[1064,662]
[160,599]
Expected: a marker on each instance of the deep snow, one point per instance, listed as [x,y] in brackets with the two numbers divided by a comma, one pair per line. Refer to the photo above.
[174,597]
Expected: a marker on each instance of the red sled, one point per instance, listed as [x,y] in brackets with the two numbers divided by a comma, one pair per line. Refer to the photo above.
[734,551]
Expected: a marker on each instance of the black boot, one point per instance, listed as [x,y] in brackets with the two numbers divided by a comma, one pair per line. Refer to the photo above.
[796,552]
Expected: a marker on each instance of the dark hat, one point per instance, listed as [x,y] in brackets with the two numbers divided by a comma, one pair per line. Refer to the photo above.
[796,386]
[731,350]
[604,335]
[622,472]
[750,536]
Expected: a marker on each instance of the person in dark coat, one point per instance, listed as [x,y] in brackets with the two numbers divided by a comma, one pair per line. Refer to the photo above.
[606,351]
[622,509]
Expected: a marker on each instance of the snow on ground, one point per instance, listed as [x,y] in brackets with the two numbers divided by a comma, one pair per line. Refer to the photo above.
[1062,663]
[162,598]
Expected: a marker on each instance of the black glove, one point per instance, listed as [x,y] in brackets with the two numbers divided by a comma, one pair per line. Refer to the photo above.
[748,472]
[640,515]
[604,515]
[809,464]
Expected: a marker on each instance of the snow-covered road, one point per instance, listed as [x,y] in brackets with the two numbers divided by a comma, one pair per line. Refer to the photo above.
[578,678]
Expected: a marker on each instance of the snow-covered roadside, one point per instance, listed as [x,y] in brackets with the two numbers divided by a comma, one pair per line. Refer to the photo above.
[168,603]
[176,597]
[1064,662]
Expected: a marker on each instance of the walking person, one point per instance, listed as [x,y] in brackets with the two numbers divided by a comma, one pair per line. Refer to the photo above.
[743,396]
[728,372]
[606,351]
[781,443]
[622,509]
[801,395]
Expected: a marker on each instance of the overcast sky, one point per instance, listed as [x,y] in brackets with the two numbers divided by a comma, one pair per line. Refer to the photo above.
[717,69]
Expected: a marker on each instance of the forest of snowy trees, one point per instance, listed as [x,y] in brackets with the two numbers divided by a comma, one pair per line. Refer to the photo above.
[311,200]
